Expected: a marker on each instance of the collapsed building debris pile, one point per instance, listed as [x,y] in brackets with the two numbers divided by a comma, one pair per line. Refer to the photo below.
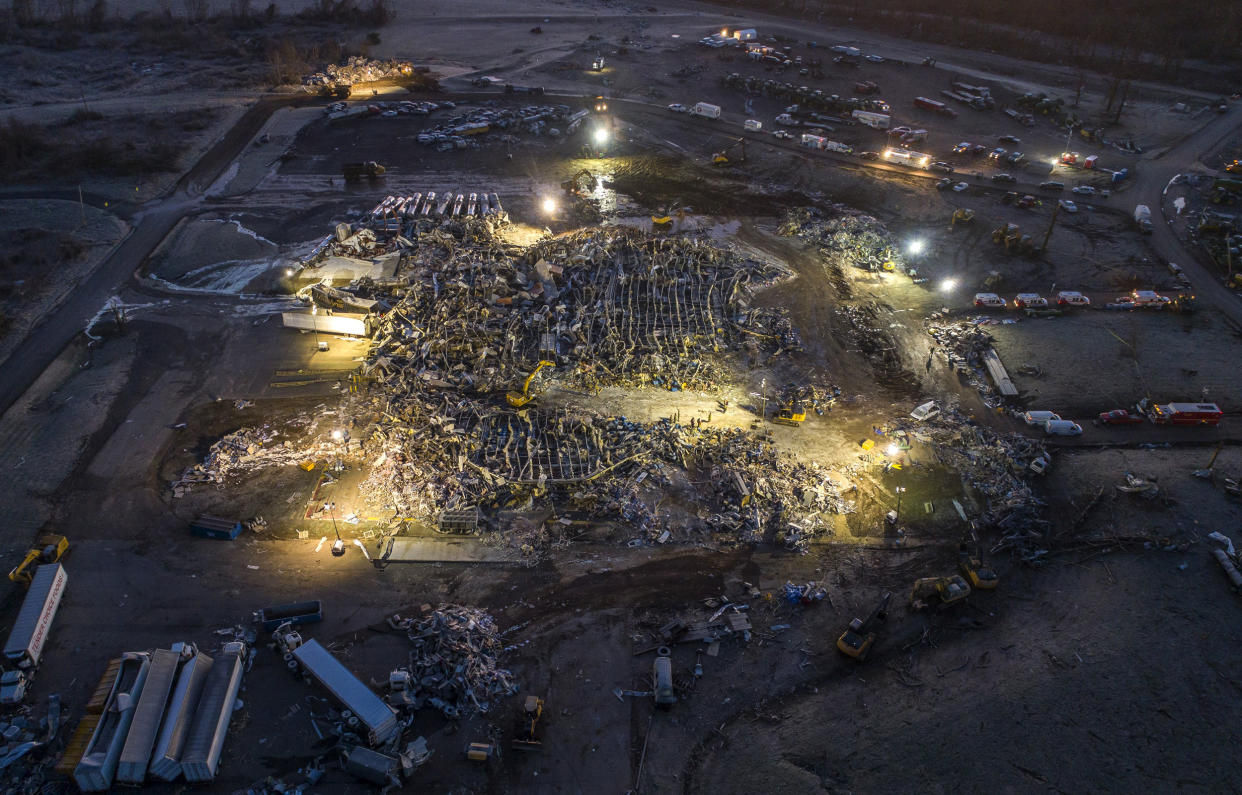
[453,664]
[244,450]
[454,132]
[358,69]
[963,343]
[994,466]
[853,236]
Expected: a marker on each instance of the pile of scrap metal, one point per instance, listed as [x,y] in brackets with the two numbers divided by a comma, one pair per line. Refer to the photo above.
[963,343]
[358,69]
[453,664]
[852,236]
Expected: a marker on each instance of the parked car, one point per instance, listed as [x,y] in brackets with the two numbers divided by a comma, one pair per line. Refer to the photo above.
[1068,206]
[1072,298]
[788,136]
[961,186]
[1003,178]
[1010,197]
[1009,139]
[1083,190]
[1030,301]
[944,184]
[989,300]
[1057,186]
[1014,158]
[677,107]
[941,166]
[996,154]
[869,155]
[874,58]
[1120,417]
[1027,202]
[977,150]
[1062,428]
[962,148]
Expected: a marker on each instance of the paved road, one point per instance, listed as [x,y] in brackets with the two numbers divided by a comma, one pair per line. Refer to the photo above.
[151,224]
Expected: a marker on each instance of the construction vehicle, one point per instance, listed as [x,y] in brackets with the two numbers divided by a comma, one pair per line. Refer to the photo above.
[48,548]
[721,158]
[938,592]
[356,171]
[970,560]
[519,399]
[858,638]
[531,712]
[961,216]
[601,105]
[580,184]
[790,413]
[1183,303]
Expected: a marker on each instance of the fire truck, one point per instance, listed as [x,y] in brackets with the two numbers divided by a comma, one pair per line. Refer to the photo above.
[1183,413]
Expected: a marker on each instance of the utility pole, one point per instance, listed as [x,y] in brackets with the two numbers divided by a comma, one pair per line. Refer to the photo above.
[763,398]
[897,514]
[1052,222]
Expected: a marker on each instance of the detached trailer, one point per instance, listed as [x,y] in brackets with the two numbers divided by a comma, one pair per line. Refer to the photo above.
[136,755]
[34,620]
[166,760]
[878,121]
[201,759]
[94,773]
[376,717]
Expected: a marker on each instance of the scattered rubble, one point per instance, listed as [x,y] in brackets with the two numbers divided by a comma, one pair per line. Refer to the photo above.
[453,663]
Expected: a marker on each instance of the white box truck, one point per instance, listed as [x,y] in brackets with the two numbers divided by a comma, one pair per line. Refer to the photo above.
[706,110]
[34,620]
[813,141]
[752,125]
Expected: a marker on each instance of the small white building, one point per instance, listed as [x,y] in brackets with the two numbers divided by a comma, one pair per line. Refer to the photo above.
[748,34]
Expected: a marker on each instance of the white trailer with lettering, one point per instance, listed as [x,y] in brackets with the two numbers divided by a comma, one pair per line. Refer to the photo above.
[34,620]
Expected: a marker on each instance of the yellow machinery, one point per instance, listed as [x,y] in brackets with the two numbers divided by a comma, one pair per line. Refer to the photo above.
[961,216]
[721,158]
[519,399]
[601,104]
[858,638]
[970,560]
[580,184]
[531,712]
[791,413]
[939,592]
[48,548]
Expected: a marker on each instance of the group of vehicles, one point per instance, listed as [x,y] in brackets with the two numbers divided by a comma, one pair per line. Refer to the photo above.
[927,593]
[1158,414]
[1135,299]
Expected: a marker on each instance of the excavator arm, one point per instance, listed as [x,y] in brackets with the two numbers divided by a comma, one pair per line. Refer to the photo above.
[519,399]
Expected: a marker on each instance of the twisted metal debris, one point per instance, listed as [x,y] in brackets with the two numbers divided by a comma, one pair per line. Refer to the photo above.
[453,661]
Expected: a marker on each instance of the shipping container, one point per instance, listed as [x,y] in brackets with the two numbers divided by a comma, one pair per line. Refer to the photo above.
[214,526]
[706,110]
[297,613]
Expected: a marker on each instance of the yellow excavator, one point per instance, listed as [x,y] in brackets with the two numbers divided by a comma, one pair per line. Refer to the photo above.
[970,560]
[580,184]
[721,158]
[858,638]
[961,216]
[48,548]
[526,740]
[791,413]
[519,399]
[938,592]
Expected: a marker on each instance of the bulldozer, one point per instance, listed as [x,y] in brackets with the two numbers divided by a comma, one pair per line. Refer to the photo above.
[356,171]
[791,413]
[525,739]
[662,220]
[858,638]
[721,158]
[938,592]
[48,548]
[961,216]
[520,399]
[970,560]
